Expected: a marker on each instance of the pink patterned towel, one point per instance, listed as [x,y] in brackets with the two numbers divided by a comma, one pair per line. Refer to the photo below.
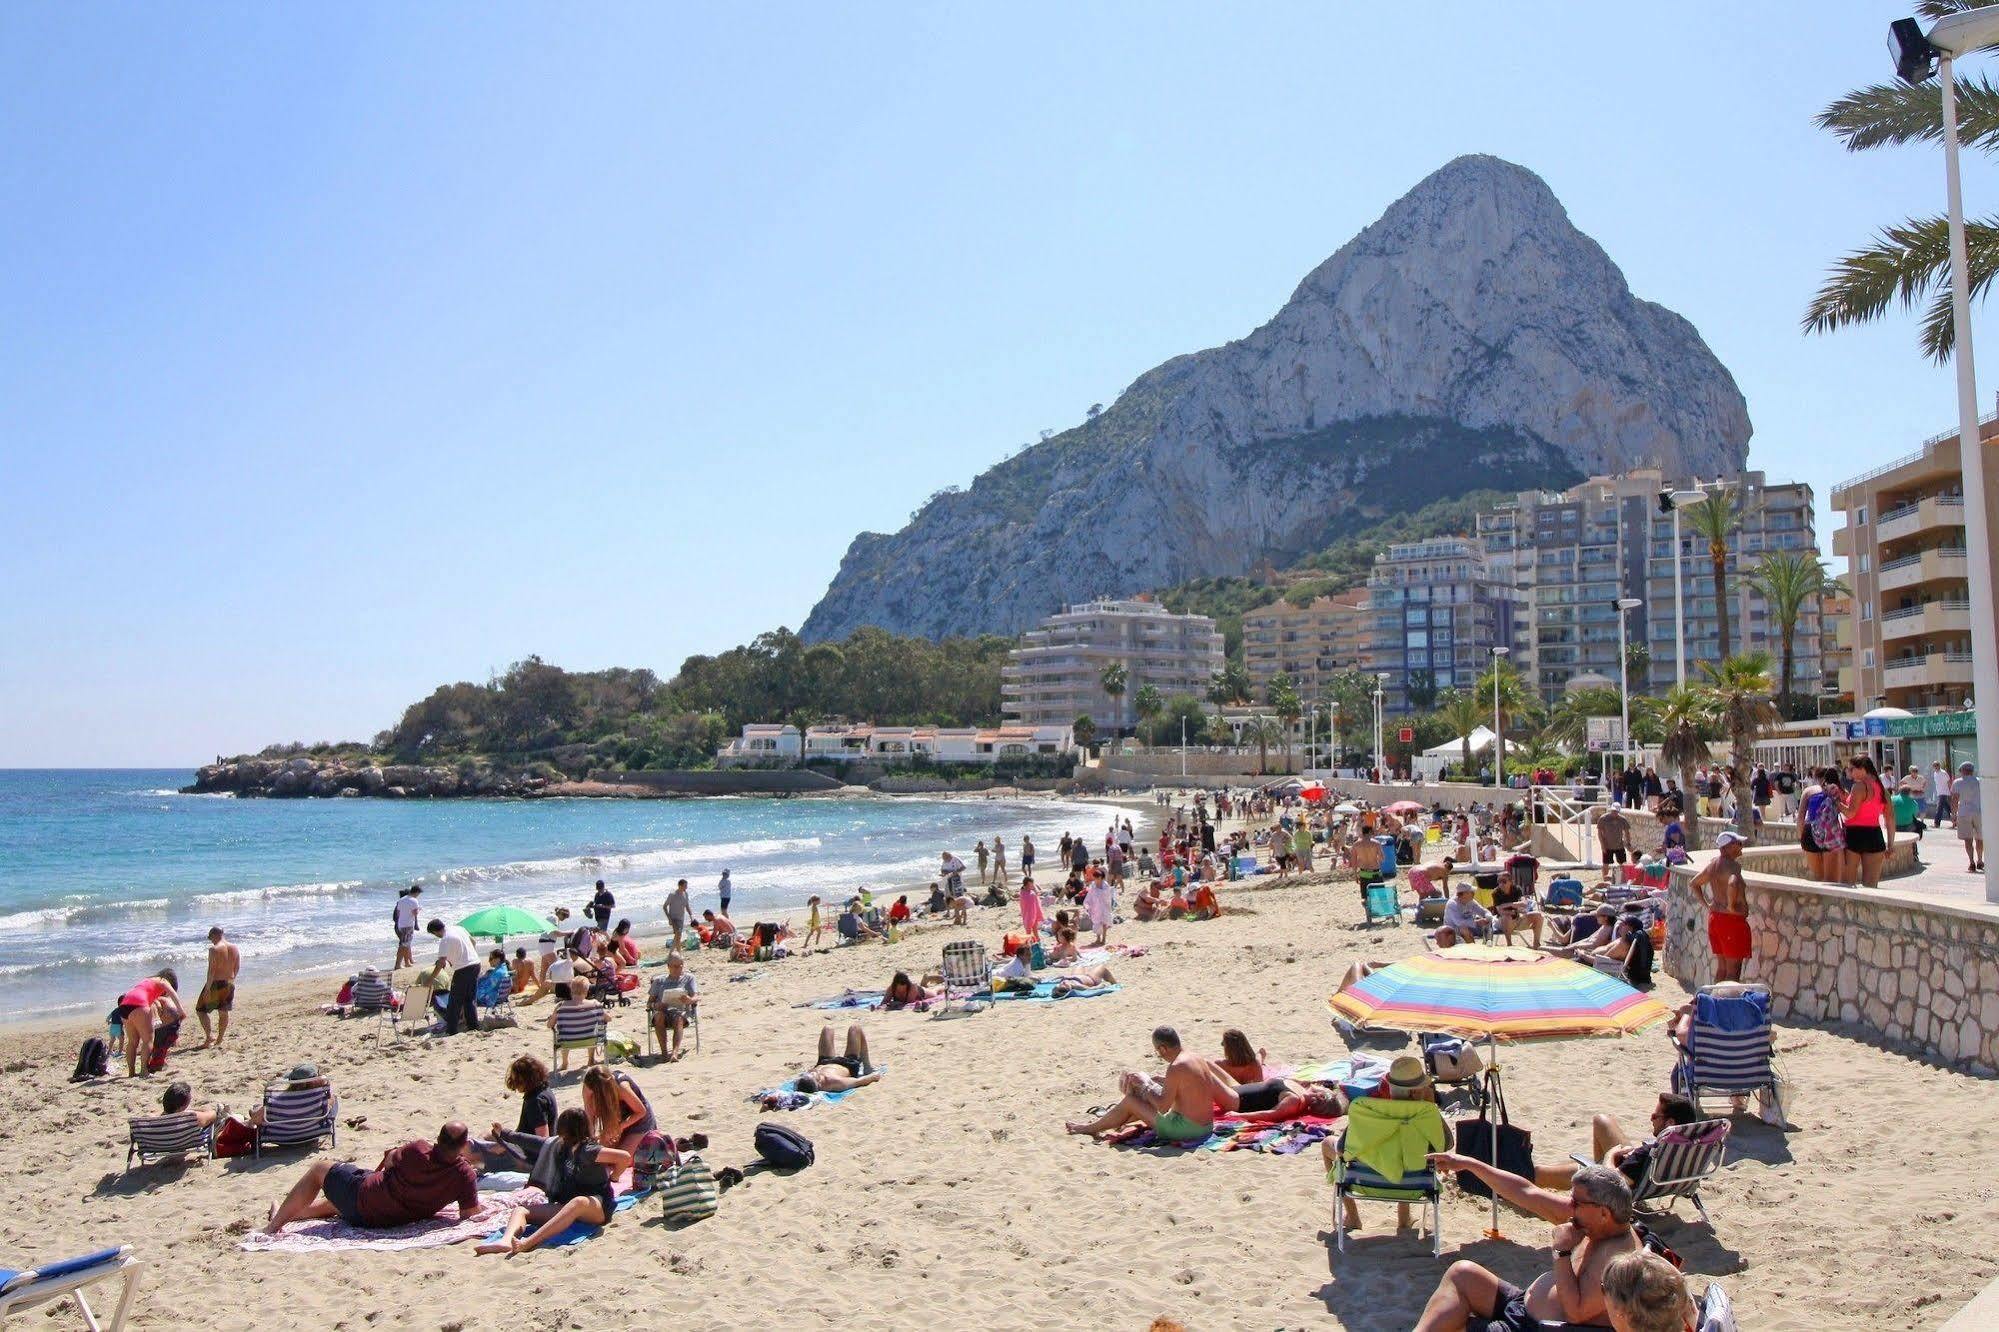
[334,1234]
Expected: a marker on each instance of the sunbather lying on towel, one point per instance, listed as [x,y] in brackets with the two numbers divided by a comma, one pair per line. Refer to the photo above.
[413,1183]
[1181,1108]
[576,1175]
[843,1072]
[902,991]
[1276,1099]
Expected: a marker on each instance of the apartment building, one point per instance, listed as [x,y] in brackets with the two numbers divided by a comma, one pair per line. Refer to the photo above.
[1565,558]
[1434,614]
[1056,674]
[1835,652]
[1310,643]
[1902,535]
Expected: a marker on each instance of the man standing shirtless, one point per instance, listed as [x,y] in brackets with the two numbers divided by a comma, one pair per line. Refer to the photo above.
[1719,888]
[1179,1109]
[218,992]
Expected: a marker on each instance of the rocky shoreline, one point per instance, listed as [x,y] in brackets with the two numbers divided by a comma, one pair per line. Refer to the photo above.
[308,778]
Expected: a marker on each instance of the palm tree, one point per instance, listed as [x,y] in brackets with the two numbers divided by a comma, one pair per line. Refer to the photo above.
[1147,702]
[1790,580]
[1421,689]
[1715,519]
[1113,678]
[1462,712]
[1516,700]
[1230,685]
[1908,264]
[1284,701]
[1686,718]
[1740,692]
[1265,732]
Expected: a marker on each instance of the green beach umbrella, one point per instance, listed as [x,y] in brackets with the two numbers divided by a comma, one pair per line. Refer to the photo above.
[497,922]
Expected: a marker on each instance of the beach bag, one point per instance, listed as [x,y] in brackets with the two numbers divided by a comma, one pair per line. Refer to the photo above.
[1827,824]
[783,1148]
[690,1193]
[1494,1140]
[651,1159]
[1430,911]
[617,1045]
[1452,1059]
[235,1137]
[93,1060]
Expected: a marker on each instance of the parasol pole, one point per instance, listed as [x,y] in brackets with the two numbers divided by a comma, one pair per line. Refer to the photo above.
[1492,1143]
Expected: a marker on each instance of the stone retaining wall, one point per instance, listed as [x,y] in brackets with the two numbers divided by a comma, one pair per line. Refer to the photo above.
[718,781]
[1916,973]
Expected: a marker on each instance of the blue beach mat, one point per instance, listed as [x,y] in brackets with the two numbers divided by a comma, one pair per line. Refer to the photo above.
[1046,991]
[578,1231]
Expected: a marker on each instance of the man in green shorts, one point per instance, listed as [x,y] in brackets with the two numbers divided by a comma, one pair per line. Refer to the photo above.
[1181,1108]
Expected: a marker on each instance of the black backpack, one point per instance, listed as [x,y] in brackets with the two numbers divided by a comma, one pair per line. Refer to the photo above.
[93,1060]
[783,1148]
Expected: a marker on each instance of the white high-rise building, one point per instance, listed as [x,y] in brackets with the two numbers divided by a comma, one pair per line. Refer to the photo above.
[1056,674]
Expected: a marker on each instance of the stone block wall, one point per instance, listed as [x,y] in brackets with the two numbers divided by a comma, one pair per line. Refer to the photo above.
[1919,974]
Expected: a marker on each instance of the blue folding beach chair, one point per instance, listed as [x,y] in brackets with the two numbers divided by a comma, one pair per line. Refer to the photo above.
[298,1116]
[31,1288]
[1351,1178]
[1381,902]
[1729,1048]
[1565,892]
[168,1135]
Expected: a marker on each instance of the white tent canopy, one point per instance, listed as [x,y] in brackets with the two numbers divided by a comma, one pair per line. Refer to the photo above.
[1480,737]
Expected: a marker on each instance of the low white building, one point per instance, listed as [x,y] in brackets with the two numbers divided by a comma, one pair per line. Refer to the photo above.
[763,744]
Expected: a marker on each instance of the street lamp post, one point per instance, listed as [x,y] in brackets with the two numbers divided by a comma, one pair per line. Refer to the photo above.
[1952,36]
[1498,736]
[1625,605]
[1672,501]
[1380,757]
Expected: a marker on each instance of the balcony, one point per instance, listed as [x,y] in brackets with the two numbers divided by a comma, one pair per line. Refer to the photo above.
[1937,617]
[1938,668]
[1921,516]
[1931,566]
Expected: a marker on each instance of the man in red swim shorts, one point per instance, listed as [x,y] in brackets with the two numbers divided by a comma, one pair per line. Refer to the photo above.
[1721,890]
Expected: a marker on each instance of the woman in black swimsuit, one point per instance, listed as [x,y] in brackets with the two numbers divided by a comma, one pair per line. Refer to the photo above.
[576,1175]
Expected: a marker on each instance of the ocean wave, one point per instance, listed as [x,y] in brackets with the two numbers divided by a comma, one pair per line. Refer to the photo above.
[596,864]
[82,914]
[277,891]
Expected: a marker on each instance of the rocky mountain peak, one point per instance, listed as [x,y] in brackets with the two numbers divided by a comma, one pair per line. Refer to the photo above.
[1472,326]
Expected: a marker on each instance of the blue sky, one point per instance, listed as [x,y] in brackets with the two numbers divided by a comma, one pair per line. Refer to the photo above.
[353,349]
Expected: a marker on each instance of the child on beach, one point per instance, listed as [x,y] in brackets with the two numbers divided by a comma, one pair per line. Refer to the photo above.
[813,929]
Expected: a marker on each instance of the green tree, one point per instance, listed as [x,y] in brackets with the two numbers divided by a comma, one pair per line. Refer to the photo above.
[1352,693]
[1789,581]
[1567,723]
[1461,713]
[1166,729]
[1231,684]
[1147,702]
[1421,689]
[1740,692]
[1638,664]
[1085,728]
[1114,678]
[1716,520]
[1284,701]
[1908,264]
[1516,703]
[1264,731]
[1687,719]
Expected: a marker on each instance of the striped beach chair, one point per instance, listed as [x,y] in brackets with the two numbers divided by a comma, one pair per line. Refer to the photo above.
[966,973]
[1679,1161]
[295,1116]
[26,1289]
[1353,1179]
[579,1025]
[1729,1048]
[372,996]
[168,1135]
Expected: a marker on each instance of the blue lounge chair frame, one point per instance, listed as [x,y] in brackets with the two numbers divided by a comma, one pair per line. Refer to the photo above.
[24,1290]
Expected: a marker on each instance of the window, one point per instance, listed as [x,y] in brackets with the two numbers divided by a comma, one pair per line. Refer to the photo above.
[1860,516]
[1417,639]
[1866,562]
[1867,658]
[1866,610]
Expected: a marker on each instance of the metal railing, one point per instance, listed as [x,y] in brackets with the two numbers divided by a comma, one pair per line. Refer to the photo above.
[1928,446]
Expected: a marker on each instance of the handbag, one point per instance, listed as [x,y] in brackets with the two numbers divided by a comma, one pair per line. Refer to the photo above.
[1499,1140]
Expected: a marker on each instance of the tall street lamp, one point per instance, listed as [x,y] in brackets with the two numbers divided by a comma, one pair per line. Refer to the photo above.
[1671,501]
[1625,605]
[1380,758]
[1914,51]
[1498,736]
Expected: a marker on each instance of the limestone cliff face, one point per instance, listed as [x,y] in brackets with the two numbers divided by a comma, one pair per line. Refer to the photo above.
[1472,336]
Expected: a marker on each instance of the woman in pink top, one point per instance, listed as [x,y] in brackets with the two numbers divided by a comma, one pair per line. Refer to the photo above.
[1868,823]
[140,1010]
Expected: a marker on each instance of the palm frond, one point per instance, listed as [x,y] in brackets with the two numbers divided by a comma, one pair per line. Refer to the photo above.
[1908,265]
[1939,329]
[1891,114]
[1936,9]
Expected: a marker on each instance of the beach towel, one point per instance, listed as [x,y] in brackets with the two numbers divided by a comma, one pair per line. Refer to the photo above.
[846,999]
[333,1234]
[1394,1138]
[786,1096]
[1285,1138]
[576,1232]
[1049,991]
[1139,1136]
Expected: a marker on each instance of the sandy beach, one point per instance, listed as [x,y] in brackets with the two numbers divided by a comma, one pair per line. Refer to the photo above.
[949,1193]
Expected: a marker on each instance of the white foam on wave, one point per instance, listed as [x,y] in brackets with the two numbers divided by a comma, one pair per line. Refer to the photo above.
[84,913]
[277,891]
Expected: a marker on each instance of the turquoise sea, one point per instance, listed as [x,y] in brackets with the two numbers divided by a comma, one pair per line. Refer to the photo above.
[107,875]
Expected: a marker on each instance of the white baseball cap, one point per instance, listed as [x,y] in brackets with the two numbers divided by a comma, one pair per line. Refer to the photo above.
[1730,838]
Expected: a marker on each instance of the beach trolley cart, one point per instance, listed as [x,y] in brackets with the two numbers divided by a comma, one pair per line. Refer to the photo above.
[32,1288]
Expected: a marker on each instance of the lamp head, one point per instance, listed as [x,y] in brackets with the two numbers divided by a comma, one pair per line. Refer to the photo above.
[1628,603]
[1954,35]
[1911,52]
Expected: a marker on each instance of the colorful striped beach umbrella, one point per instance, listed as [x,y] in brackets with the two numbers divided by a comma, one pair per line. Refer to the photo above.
[1503,994]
